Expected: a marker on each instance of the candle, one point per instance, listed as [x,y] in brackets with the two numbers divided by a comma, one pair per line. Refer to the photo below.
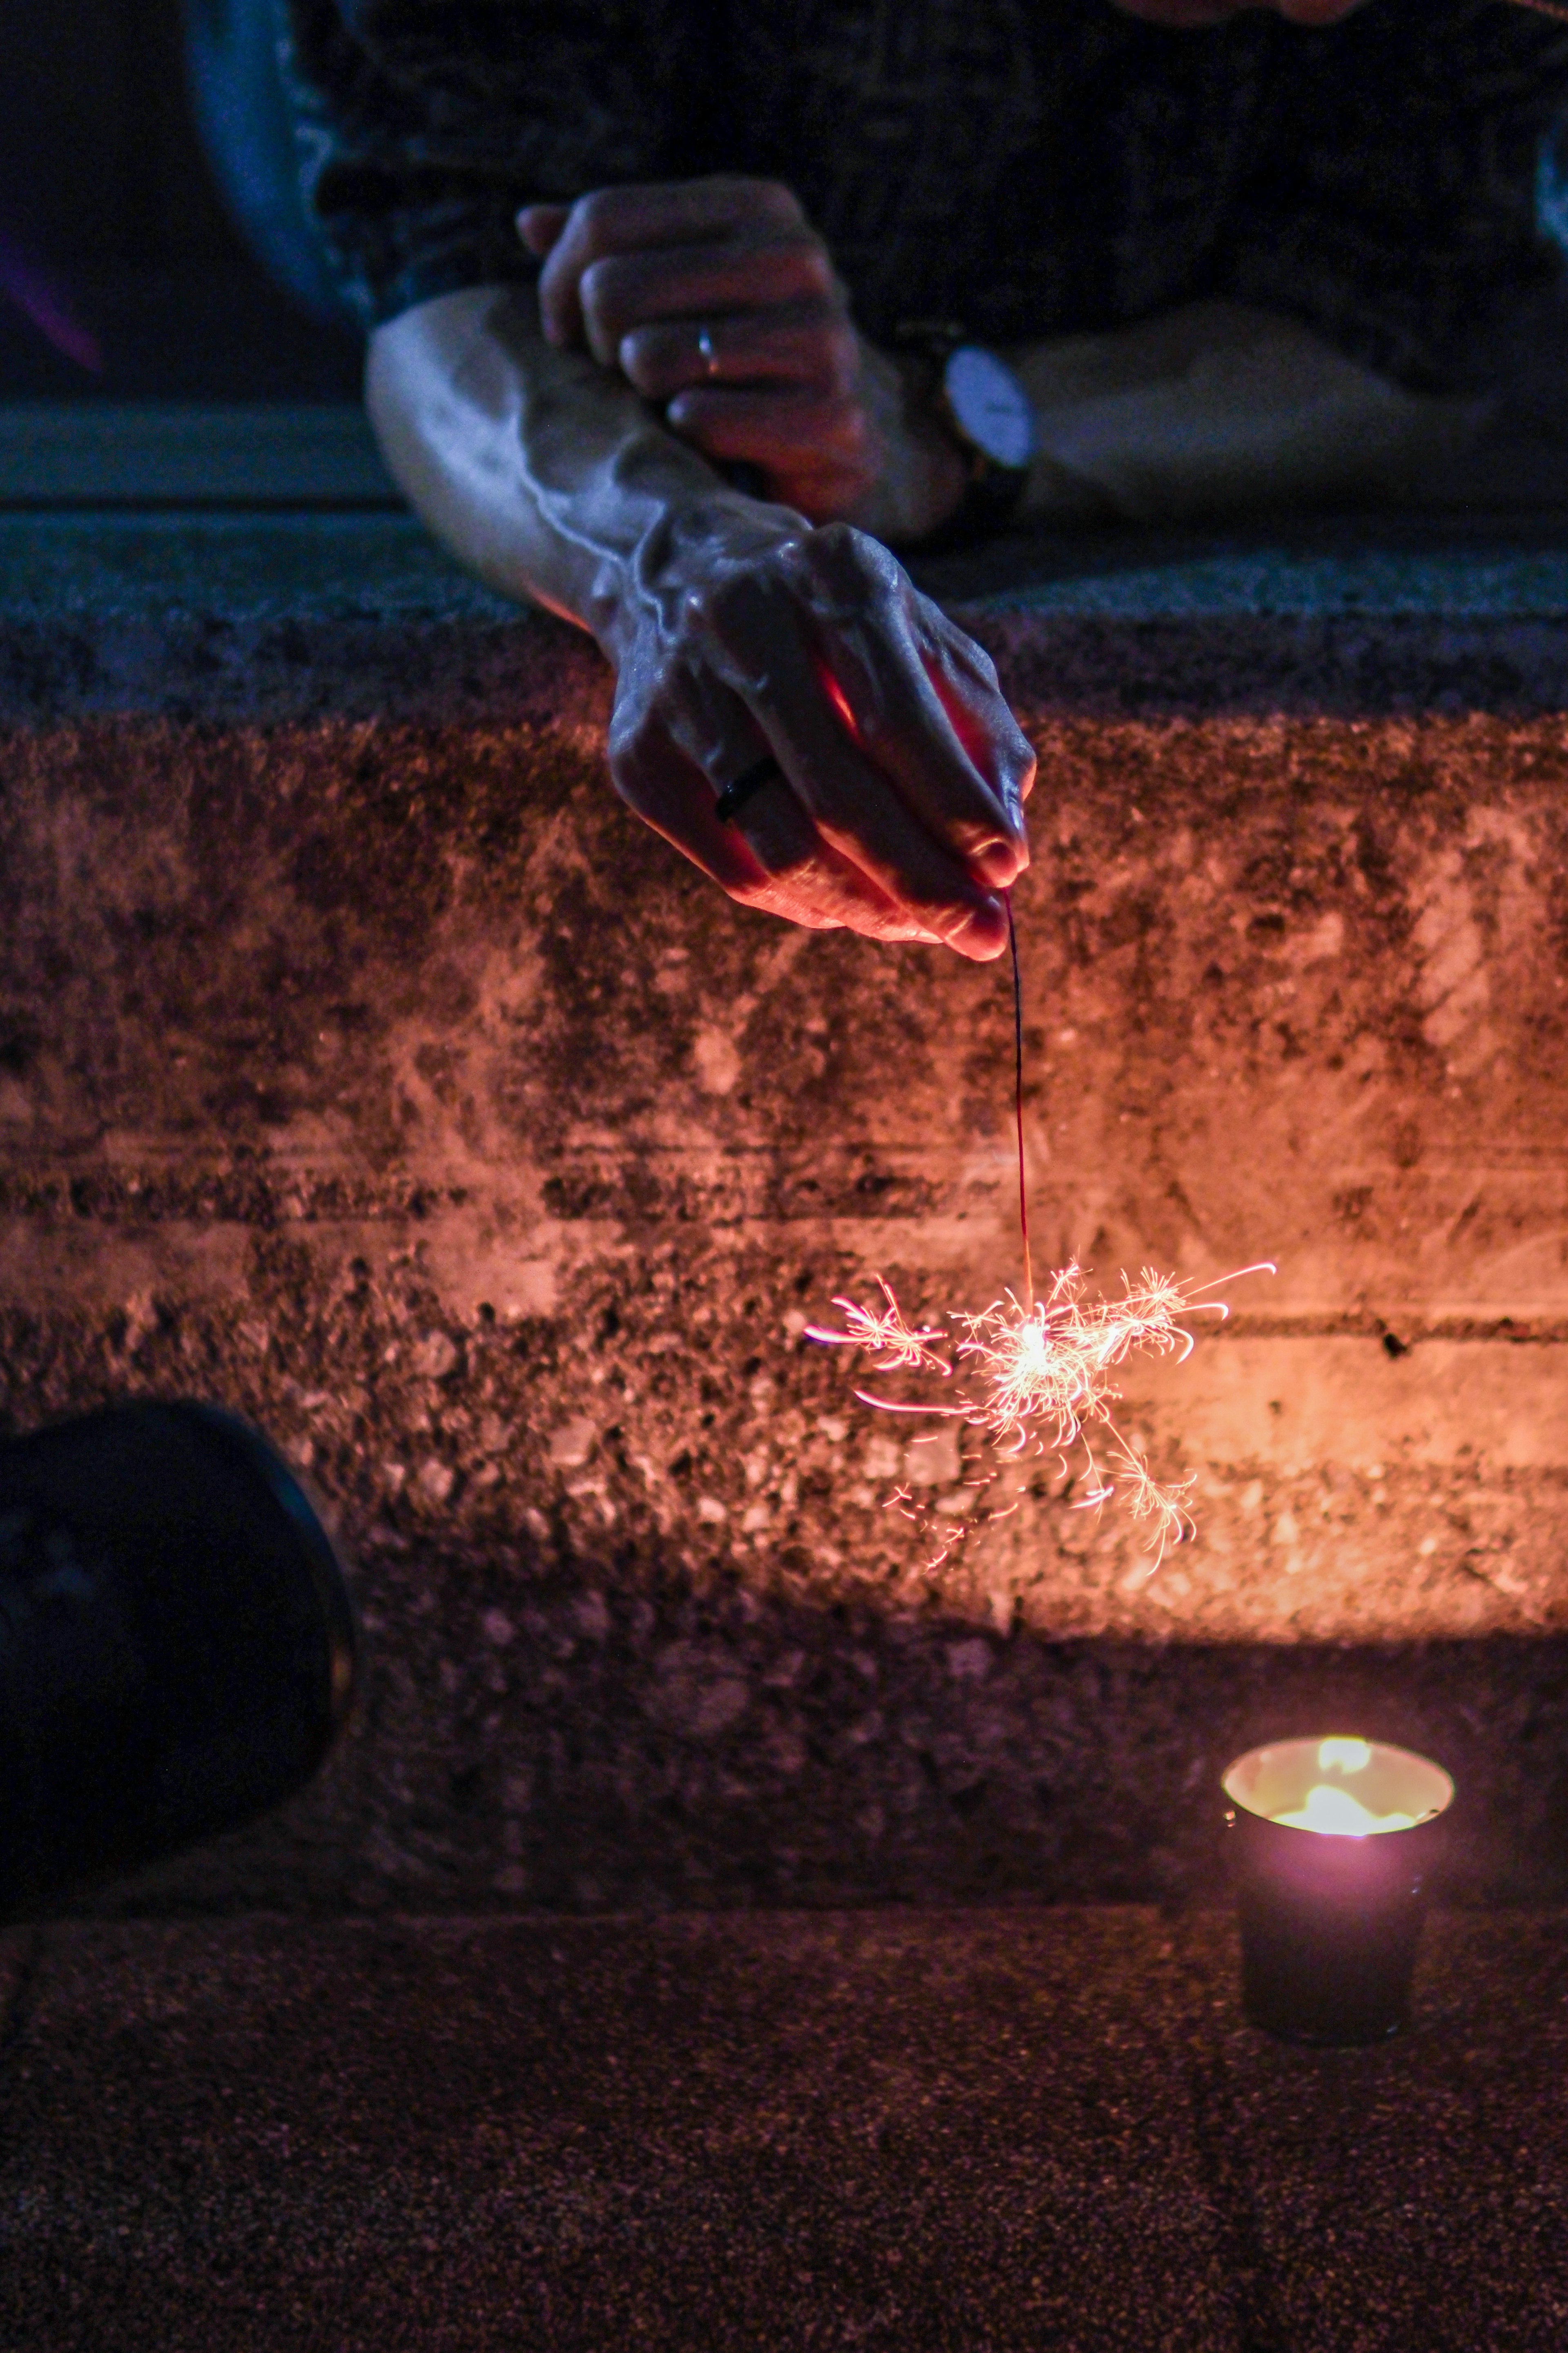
[1333,1841]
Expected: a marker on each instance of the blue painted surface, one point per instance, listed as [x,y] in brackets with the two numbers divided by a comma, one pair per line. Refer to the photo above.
[1464,584]
[255,509]
[244,563]
[243,567]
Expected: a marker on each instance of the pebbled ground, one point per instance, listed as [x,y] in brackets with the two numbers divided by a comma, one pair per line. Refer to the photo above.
[971,2131]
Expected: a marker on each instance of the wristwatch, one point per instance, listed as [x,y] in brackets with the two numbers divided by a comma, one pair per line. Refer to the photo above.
[983,406]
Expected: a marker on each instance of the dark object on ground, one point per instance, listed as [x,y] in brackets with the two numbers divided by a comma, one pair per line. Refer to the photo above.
[176,1641]
[1329,1938]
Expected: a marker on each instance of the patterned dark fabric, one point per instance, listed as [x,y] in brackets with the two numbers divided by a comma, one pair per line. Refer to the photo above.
[1030,167]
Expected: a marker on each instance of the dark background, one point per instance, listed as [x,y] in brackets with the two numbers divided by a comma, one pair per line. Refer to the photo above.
[108,204]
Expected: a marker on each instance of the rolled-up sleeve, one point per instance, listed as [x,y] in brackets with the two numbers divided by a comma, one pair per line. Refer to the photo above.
[422,125]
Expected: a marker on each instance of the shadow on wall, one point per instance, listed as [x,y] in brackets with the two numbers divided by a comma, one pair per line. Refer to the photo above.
[598,1749]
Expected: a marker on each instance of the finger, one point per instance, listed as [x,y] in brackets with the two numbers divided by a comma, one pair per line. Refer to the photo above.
[541,226]
[799,863]
[969,696]
[959,759]
[632,290]
[774,859]
[860,817]
[806,880]
[877,635]
[646,215]
[798,429]
[807,344]
[855,809]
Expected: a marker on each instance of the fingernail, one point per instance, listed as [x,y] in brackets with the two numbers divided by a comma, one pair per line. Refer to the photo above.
[999,861]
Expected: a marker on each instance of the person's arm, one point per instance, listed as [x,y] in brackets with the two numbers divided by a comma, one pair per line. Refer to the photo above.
[736,627]
[1219,408]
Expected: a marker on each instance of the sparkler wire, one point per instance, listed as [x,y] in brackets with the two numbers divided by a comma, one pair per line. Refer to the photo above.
[1019,1100]
[1034,1377]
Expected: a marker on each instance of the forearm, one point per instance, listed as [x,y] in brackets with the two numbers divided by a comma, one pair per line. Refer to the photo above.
[540,470]
[1217,406]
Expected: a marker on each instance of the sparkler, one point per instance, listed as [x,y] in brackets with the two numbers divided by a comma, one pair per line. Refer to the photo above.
[1036,1377]
[1038,1381]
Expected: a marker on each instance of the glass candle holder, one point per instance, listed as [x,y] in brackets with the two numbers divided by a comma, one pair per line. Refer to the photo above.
[1333,1842]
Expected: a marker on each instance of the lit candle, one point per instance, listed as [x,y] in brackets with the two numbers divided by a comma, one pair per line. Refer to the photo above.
[1333,1841]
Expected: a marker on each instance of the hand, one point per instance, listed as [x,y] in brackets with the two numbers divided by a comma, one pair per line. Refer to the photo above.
[899,810]
[717,300]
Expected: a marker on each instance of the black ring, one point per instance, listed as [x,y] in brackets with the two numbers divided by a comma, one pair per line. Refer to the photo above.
[735,795]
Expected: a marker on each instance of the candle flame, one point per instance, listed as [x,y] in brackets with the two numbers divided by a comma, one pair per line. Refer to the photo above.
[1335,1814]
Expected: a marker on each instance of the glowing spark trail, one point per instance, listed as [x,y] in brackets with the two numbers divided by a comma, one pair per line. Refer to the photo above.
[1039,1380]
[1036,1377]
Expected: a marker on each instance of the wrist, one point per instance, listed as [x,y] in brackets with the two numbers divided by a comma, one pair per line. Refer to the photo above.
[984,413]
[695,537]
[924,475]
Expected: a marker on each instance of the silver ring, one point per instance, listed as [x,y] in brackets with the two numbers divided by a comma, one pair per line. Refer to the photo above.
[705,347]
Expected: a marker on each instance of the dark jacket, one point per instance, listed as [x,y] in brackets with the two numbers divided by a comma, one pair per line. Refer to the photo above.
[1026,167]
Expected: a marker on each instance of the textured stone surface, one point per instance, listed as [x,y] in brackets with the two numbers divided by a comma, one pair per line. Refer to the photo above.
[992,2129]
[1408,2197]
[364,1066]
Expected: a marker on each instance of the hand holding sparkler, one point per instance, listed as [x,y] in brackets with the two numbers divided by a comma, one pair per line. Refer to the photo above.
[791,712]
[893,772]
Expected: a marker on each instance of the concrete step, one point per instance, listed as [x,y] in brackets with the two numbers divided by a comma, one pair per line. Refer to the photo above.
[1011,2128]
[363,1064]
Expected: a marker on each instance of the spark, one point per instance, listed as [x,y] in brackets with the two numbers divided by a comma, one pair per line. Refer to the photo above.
[898,1346]
[1036,1377]
[1039,1379]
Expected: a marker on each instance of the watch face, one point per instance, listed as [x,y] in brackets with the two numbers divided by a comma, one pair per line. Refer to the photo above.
[990,406]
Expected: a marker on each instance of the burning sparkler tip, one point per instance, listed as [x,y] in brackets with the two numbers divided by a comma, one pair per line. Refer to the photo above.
[1040,1378]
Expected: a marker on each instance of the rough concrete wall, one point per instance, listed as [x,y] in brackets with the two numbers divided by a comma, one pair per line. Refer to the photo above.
[363,1065]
